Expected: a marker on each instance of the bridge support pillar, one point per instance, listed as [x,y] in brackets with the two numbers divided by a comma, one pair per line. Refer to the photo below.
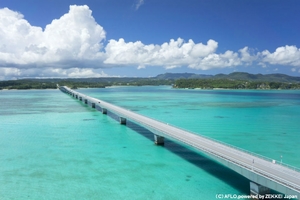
[159,140]
[104,111]
[86,101]
[258,191]
[122,120]
[80,98]
[93,105]
[76,96]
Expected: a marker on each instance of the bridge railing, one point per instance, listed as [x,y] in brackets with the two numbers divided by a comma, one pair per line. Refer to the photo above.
[231,146]
[223,143]
[235,147]
[233,160]
[252,167]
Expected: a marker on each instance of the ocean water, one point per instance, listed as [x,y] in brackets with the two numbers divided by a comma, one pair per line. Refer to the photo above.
[55,147]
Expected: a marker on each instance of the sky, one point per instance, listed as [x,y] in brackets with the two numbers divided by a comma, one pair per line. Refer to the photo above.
[144,38]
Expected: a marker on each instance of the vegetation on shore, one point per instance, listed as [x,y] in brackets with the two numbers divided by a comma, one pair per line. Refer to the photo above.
[25,84]
[233,84]
[236,80]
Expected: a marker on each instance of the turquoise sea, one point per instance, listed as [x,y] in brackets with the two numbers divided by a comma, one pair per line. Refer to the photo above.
[55,147]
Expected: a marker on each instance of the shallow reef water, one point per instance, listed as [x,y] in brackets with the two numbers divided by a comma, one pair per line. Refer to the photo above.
[54,147]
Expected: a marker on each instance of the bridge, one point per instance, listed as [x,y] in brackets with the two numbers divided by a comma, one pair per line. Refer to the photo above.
[264,173]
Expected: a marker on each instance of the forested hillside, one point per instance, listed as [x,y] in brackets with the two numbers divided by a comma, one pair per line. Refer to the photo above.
[236,80]
[232,84]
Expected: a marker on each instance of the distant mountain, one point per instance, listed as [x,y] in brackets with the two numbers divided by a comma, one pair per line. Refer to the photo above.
[181,75]
[259,77]
[233,76]
[185,80]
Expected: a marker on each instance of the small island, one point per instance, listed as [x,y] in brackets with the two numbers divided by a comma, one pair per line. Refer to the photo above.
[236,80]
[233,84]
[75,83]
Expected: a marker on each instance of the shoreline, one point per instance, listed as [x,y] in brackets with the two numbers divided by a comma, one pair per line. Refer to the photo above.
[119,86]
[260,89]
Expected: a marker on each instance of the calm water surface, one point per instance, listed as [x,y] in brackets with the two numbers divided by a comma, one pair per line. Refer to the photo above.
[54,147]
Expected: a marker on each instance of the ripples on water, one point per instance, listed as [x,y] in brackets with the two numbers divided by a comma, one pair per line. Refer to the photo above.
[55,147]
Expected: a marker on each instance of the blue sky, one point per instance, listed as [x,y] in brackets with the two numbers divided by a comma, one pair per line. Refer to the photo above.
[89,38]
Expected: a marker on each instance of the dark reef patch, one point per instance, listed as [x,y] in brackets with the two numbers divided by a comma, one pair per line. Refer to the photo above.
[219,117]
[88,119]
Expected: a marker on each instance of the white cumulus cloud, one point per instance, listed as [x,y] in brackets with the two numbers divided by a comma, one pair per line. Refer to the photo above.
[287,55]
[73,46]
[14,73]
[175,53]
[75,36]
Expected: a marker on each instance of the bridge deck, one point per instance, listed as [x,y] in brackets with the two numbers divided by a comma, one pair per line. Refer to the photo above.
[279,174]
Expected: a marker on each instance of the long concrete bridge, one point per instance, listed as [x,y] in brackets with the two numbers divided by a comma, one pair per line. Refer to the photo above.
[264,173]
